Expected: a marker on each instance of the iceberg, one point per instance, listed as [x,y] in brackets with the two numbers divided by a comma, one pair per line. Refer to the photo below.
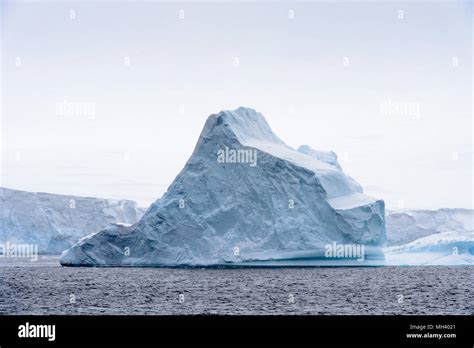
[244,198]
[445,248]
[406,226]
[55,222]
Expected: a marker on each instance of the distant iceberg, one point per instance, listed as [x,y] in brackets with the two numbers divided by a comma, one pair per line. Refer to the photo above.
[408,225]
[445,248]
[55,222]
[244,198]
[430,237]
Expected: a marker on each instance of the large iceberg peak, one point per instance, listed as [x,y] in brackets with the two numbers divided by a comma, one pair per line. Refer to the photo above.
[282,205]
[247,125]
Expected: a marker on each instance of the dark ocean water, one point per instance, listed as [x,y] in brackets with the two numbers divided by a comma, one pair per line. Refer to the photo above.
[44,287]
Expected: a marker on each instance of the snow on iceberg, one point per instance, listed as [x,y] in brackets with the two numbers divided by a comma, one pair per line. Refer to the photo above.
[55,222]
[328,157]
[243,198]
[445,248]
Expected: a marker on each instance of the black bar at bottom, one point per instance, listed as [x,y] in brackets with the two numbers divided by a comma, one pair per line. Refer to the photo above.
[291,331]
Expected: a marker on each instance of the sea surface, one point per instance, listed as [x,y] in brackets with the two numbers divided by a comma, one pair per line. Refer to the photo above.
[44,287]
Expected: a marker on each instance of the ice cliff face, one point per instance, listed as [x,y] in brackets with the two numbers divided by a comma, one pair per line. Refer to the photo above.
[243,196]
[404,227]
[55,222]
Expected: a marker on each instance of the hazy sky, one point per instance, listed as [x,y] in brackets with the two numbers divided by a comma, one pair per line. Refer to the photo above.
[108,98]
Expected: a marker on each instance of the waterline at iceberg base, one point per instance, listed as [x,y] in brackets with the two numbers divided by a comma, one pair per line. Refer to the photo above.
[245,198]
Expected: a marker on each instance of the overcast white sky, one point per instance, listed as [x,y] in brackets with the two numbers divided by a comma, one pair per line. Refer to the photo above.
[146,81]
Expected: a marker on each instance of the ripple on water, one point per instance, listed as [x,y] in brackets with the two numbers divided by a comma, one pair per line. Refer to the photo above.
[46,288]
